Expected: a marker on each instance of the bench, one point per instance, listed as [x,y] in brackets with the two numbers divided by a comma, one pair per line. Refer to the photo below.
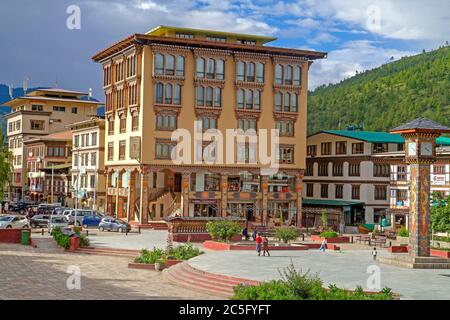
[363,239]
[381,241]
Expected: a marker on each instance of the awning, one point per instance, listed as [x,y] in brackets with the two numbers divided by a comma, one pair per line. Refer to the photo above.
[332,203]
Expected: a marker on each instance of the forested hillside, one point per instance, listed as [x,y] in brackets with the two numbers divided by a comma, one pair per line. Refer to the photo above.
[385,97]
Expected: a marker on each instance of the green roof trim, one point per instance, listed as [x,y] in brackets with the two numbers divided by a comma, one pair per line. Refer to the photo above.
[379,137]
[331,203]
[59,166]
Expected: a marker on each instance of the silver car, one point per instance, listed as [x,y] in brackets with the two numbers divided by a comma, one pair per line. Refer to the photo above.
[57,222]
[113,224]
[13,222]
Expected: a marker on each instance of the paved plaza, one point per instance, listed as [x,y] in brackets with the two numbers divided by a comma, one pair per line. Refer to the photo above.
[28,273]
[346,269]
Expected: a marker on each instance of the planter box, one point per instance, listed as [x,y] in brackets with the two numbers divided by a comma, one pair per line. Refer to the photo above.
[398,249]
[143,266]
[172,262]
[331,247]
[221,246]
[331,240]
[11,235]
[440,253]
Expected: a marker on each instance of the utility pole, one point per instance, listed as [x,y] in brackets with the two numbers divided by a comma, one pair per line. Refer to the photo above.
[51,187]
[76,186]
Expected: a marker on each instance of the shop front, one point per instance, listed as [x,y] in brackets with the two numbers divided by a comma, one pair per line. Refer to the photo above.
[205,208]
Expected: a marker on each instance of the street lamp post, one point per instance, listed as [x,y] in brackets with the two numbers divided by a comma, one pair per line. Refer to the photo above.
[52,181]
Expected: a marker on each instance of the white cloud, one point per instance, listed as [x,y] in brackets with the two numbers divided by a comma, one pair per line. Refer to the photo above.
[352,57]
[150,5]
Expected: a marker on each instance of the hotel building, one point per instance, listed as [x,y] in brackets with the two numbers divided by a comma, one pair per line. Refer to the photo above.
[88,162]
[171,77]
[39,113]
[348,173]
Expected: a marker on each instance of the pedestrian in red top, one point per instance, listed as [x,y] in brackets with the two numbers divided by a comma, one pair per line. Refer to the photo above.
[259,241]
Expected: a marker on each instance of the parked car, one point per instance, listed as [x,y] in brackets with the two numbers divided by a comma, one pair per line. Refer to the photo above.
[59,210]
[57,222]
[19,207]
[80,215]
[91,220]
[13,222]
[113,224]
[39,220]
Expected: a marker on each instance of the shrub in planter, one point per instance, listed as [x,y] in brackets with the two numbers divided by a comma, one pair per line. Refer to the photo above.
[150,256]
[286,234]
[402,232]
[295,285]
[160,264]
[183,252]
[84,241]
[329,234]
[223,230]
[61,239]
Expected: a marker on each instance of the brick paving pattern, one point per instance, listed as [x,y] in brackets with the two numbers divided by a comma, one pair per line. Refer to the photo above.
[41,273]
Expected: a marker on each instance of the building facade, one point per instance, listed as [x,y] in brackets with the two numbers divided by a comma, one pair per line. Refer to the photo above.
[400,179]
[48,160]
[88,163]
[170,78]
[37,114]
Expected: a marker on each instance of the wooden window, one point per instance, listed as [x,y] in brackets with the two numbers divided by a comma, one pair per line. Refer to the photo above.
[324,191]
[210,68]
[260,72]
[37,124]
[208,123]
[323,169]
[311,150]
[339,191]
[402,173]
[379,147]
[309,172]
[338,169]
[164,150]
[216,38]
[297,76]
[354,169]
[200,68]
[356,192]
[159,64]
[110,151]
[110,127]
[439,169]
[169,65]
[208,97]
[341,147]
[358,148]
[278,102]
[59,108]
[288,75]
[168,93]
[286,154]
[380,192]
[122,147]
[287,102]
[310,190]
[278,74]
[325,148]
[94,139]
[123,125]
[166,122]
[240,71]
[184,35]
[381,170]
[180,66]
[285,128]
[246,124]
[250,99]
[135,122]
[36,107]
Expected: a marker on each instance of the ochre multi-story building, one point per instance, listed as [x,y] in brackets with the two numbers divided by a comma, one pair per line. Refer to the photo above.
[48,165]
[168,79]
[39,113]
[88,162]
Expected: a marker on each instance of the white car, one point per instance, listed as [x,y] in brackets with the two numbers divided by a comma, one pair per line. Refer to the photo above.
[57,222]
[13,222]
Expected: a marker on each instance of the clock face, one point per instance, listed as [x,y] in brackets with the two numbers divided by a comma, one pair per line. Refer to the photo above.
[412,149]
[426,149]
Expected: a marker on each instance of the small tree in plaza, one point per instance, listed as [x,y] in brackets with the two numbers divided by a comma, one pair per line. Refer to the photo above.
[286,234]
[324,219]
[223,230]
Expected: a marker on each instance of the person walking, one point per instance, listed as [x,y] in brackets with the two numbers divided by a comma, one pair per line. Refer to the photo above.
[266,246]
[323,245]
[374,254]
[254,235]
[258,243]
[245,234]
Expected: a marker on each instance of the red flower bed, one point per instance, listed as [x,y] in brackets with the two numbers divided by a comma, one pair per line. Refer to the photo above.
[440,253]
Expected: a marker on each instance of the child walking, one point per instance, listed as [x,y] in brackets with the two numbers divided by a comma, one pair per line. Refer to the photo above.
[259,241]
[374,254]
[266,246]
[323,245]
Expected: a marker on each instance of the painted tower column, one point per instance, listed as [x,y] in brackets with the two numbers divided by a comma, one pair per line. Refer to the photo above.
[143,205]
[299,191]
[185,187]
[265,199]
[224,194]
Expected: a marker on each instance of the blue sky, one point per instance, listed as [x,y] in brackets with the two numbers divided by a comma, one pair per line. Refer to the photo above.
[359,35]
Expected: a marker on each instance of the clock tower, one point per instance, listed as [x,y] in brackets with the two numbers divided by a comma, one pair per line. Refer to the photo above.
[420,152]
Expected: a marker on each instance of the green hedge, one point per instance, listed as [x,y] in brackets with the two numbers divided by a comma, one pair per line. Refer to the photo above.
[403,232]
[63,240]
[286,234]
[329,234]
[297,286]
[223,230]
[182,252]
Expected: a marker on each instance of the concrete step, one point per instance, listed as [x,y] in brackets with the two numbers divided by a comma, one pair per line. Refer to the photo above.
[110,252]
[185,275]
